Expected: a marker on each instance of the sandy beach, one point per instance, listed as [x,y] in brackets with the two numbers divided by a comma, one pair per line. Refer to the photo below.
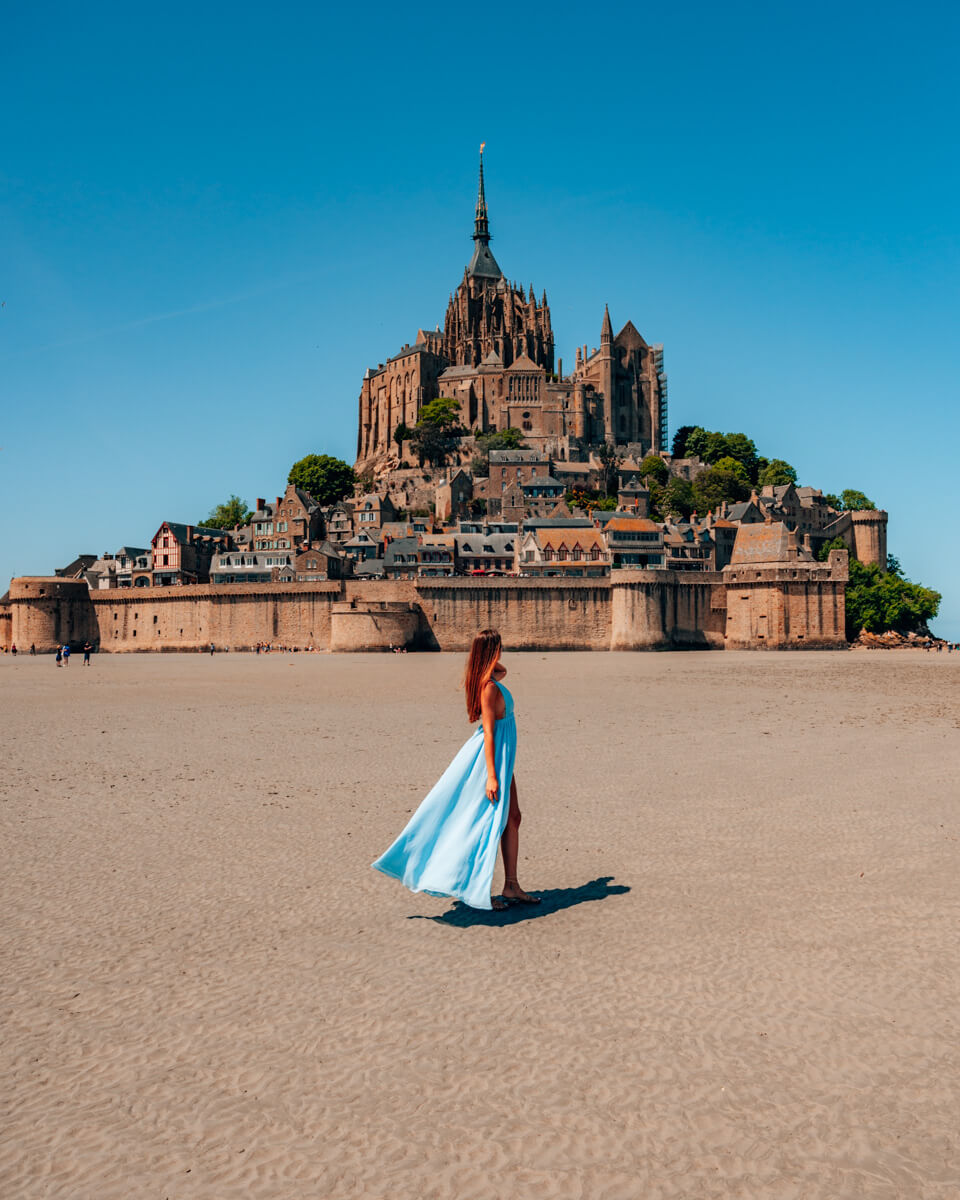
[743,980]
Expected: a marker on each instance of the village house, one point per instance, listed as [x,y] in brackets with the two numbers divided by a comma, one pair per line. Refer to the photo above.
[339,518]
[240,566]
[633,496]
[295,517]
[401,558]
[515,466]
[372,511]
[633,541]
[583,475]
[127,559]
[687,547]
[485,553]
[551,550]
[363,546]
[541,493]
[316,563]
[182,553]
[453,494]
[724,535]
[438,554]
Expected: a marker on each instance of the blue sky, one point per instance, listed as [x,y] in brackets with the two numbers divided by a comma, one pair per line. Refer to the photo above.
[213,217]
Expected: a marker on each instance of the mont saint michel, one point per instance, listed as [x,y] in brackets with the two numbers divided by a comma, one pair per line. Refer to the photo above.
[496,357]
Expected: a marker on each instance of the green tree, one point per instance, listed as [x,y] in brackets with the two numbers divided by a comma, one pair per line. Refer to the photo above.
[696,443]
[836,543]
[656,499]
[400,435]
[437,431]
[679,449]
[717,447]
[776,473]
[854,501]
[653,467]
[733,466]
[228,515]
[325,478]
[833,501]
[881,600]
[742,449]
[716,485]
[676,499]
[504,439]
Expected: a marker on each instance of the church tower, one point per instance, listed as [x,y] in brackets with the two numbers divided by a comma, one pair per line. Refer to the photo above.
[489,316]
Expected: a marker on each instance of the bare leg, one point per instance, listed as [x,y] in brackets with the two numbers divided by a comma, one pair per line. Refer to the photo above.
[510,849]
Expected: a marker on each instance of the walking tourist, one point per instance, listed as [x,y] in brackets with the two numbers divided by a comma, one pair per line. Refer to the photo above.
[449,846]
[66,654]
[86,653]
[59,655]
[13,649]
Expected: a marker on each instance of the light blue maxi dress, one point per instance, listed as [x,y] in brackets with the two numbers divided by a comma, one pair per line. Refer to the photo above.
[449,846]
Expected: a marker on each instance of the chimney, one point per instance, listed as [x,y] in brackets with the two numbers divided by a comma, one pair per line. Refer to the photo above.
[260,503]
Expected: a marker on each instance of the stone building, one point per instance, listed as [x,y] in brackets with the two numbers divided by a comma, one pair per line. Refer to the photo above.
[778,597]
[633,541]
[495,357]
[294,518]
[183,553]
[575,550]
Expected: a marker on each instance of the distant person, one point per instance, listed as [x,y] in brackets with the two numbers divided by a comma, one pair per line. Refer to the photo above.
[86,653]
[33,647]
[449,845]
[13,649]
[211,649]
[66,654]
[59,656]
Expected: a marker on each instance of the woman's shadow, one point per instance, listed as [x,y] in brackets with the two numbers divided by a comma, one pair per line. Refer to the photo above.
[462,916]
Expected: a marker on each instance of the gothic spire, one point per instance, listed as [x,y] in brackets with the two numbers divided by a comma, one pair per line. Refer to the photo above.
[482,264]
[606,331]
[481,230]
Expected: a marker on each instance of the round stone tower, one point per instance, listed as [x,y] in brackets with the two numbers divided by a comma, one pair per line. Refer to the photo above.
[870,536]
[50,611]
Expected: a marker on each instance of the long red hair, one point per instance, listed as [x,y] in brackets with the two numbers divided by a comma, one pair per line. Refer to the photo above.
[484,654]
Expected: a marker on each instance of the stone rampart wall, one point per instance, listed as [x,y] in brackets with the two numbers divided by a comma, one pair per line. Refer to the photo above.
[531,614]
[659,610]
[635,610]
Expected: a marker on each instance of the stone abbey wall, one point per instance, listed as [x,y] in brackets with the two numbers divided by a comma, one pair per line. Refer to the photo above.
[771,606]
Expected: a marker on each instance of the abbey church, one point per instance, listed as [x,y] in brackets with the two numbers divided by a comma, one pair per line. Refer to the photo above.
[495,357]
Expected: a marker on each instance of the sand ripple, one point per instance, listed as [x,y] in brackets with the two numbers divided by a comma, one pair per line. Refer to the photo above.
[742,981]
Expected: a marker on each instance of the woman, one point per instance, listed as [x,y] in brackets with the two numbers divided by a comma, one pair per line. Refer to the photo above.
[449,847]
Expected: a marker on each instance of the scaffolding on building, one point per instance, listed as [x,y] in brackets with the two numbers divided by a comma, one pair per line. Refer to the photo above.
[662,423]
